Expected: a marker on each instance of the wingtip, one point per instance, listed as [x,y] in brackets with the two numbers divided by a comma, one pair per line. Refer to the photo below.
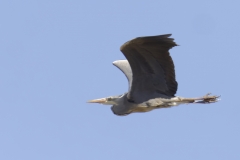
[119,61]
[166,35]
[115,62]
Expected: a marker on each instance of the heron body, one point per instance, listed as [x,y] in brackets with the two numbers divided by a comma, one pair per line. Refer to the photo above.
[149,69]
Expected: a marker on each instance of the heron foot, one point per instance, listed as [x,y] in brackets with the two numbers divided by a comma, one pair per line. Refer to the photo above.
[208,99]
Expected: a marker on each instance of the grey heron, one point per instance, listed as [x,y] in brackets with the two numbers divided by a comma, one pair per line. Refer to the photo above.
[149,69]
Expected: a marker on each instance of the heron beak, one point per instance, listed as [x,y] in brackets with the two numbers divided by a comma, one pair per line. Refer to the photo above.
[101,100]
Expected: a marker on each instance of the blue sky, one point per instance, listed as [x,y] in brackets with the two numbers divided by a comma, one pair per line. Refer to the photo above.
[56,55]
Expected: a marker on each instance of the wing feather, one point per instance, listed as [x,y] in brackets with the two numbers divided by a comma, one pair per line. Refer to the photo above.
[152,67]
[124,66]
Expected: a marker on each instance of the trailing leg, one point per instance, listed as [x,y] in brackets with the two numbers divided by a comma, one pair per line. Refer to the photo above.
[205,99]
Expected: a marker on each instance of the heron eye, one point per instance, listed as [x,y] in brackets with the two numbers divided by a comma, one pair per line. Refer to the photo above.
[109,98]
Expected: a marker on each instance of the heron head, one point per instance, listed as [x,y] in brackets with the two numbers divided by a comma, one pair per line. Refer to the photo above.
[112,100]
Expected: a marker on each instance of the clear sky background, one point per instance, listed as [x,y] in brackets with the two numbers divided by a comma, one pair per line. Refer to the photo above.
[56,55]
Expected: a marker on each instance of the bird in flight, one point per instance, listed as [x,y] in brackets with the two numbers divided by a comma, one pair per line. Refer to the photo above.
[149,69]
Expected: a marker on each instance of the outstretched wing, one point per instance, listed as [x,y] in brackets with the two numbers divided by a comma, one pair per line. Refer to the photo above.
[124,66]
[152,67]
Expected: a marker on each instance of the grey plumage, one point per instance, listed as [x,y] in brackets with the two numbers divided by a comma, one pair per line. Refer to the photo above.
[152,67]
[149,69]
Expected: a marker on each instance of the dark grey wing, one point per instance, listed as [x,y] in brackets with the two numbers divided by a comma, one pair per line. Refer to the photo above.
[152,67]
[124,66]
